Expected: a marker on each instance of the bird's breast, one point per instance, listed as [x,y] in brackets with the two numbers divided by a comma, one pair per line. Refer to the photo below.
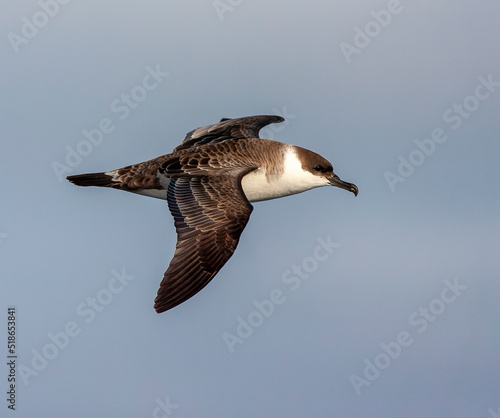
[257,186]
[291,179]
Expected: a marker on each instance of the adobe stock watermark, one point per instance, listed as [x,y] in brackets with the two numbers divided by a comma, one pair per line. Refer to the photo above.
[30,27]
[293,279]
[87,312]
[164,408]
[493,414]
[121,107]
[268,131]
[222,7]
[419,320]
[372,29]
[454,117]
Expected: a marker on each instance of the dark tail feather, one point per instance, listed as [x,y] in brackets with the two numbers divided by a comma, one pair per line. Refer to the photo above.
[93,179]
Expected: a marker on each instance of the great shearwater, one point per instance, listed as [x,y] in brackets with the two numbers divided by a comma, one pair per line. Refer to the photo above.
[209,182]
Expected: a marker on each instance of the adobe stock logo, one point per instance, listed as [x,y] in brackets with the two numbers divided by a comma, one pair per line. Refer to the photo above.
[60,340]
[30,27]
[493,414]
[165,408]
[122,107]
[294,277]
[421,319]
[222,7]
[372,29]
[269,131]
[454,117]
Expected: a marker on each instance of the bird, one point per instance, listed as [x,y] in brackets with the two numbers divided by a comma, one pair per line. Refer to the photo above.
[210,182]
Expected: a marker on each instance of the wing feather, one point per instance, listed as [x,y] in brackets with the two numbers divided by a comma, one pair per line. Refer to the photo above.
[208,231]
[246,127]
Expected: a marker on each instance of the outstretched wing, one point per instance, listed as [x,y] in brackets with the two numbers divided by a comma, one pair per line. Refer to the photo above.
[210,213]
[247,127]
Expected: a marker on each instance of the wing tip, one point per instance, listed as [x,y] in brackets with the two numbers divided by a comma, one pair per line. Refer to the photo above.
[160,309]
[267,119]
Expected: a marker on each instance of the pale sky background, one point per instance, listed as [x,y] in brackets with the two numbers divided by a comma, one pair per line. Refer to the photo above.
[397,249]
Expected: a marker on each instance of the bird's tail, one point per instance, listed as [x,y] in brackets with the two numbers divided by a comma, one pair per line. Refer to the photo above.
[93,179]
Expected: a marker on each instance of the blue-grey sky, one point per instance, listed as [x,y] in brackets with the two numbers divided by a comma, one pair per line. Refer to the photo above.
[384,305]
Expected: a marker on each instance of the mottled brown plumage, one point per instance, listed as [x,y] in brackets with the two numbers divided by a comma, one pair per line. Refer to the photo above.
[202,183]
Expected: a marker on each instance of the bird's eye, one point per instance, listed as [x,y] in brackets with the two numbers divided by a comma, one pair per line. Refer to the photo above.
[319,168]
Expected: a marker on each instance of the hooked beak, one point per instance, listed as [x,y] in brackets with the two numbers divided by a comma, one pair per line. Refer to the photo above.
[335,181]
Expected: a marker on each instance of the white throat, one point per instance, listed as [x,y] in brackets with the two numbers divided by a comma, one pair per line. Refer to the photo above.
[258,186]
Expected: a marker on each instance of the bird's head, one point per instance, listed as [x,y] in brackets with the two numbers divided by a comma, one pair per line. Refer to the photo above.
[323,170]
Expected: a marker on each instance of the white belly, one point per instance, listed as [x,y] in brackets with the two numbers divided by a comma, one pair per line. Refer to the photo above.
[257,187]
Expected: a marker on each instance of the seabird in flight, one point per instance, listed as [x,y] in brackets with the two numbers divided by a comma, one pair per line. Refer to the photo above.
[209,182]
